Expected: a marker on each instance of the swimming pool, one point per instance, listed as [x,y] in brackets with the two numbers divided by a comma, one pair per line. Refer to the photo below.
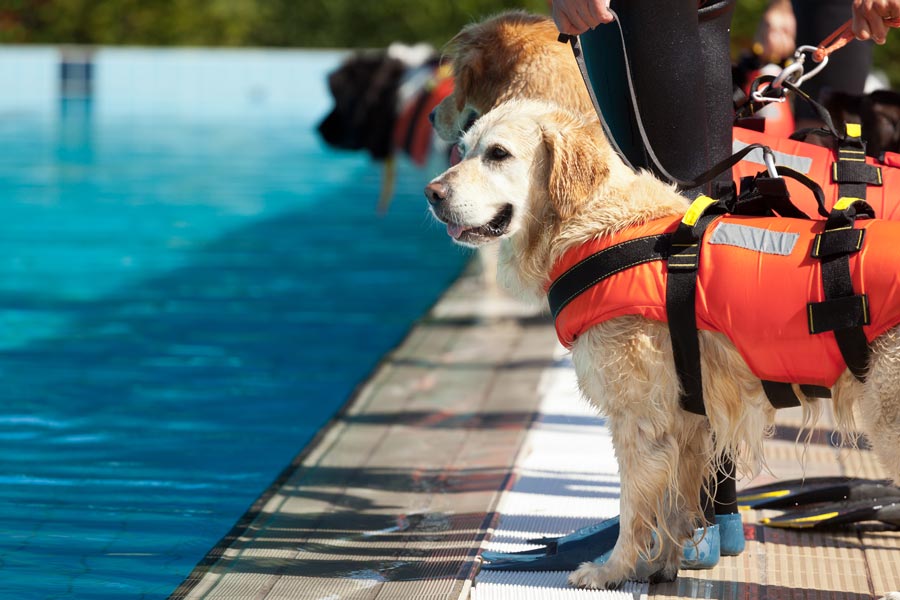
[189,289]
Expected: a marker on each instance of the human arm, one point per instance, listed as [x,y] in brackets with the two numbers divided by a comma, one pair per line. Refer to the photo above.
[869,18]
[577,16]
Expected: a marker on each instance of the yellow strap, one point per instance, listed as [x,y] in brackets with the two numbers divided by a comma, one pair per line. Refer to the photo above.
[696,210]
[763,496]
[845,202]
[800,522]
[854,130]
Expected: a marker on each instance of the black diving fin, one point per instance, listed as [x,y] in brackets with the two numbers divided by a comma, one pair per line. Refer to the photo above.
[886,510]
[813,490]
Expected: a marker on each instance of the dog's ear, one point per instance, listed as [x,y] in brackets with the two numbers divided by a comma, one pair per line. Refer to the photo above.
[466,52]
[468,77]
[576,165]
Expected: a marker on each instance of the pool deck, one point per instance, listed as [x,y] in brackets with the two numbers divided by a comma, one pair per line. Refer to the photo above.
[470,435]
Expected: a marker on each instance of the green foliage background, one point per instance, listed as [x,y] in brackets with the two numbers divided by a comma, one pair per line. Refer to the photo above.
[291,23]
[747,13]
[298,23]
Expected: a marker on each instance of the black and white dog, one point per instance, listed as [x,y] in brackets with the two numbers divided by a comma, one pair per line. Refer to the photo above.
[374,91]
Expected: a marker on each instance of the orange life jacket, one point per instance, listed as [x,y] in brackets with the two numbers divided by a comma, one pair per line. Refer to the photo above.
[755,282]
[413,131]
[827,168]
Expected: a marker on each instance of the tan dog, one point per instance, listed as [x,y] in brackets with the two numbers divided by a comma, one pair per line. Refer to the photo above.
[541,180]
[514,55]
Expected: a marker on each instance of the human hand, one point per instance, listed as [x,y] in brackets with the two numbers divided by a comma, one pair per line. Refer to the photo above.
[869,17]
[577,16]
[776,33]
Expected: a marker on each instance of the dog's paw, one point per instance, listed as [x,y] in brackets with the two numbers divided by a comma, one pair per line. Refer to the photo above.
[597,577]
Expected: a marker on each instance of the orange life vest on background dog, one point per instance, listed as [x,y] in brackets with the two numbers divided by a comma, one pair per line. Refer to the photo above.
[413,131]
[755,282]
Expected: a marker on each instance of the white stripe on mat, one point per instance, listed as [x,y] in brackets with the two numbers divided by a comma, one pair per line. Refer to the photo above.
[567,478]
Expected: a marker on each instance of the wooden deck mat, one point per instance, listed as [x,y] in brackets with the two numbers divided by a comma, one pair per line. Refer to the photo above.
[461,441]
[395,498]
[853,563]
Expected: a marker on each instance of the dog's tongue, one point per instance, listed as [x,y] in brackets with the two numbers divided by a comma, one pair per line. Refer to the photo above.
[455,231]
[455,155]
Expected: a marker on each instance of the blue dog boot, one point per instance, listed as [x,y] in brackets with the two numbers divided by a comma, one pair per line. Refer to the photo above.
[731,534]
[703,550]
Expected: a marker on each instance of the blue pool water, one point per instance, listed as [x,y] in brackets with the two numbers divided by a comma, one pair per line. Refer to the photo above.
[184,302]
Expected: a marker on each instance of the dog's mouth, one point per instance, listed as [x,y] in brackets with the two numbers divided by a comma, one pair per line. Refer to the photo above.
[491,230]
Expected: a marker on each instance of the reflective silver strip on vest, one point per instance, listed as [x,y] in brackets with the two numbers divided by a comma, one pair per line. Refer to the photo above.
[754,238]
[797,163]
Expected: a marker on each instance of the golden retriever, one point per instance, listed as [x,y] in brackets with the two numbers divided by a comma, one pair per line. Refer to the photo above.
[539,180]
[514,54]
[511,55]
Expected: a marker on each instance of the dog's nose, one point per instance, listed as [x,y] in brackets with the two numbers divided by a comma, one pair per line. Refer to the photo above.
[436,192]
[431,115]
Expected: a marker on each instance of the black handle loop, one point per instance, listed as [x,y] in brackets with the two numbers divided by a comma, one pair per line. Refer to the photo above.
[846,211]
[814,187]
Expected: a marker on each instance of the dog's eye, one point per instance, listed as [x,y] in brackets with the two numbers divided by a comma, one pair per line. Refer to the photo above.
[497,153]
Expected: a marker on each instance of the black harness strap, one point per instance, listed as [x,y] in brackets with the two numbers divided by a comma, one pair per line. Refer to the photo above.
[843,311]
[815,391]
[851,172]
[764,196]
[780,394]
[681,293]
[605,263]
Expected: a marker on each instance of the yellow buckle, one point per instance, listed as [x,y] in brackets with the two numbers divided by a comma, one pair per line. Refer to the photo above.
[696,210]
[846,202]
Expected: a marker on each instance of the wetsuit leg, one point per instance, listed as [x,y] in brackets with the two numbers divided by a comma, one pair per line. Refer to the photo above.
[715,34]
[680,70]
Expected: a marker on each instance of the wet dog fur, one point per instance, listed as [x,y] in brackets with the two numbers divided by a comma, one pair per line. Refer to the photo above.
[538,180]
